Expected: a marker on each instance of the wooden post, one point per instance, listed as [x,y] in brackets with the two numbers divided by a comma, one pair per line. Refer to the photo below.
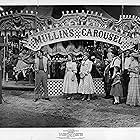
[139,47]
[1,46]
[122,62]
[0,77]
[4,63]
[122,29]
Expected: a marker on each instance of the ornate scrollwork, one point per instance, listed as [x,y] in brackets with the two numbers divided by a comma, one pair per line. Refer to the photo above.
[127,25]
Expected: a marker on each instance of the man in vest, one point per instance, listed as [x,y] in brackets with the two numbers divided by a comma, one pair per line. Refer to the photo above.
[125,82]
[41,76]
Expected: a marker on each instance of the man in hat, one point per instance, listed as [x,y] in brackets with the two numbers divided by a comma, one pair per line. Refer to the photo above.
[41,70]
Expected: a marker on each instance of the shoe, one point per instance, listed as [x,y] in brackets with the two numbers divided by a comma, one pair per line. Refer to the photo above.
[108,97]
[83,99]
[116,103]
[46,99]
[72,98]
[94,98]
[69,98]
[35,100]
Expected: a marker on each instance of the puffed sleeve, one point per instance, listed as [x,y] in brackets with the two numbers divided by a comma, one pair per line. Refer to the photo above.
[117,63]
[81,67]
[74,67]
[90,66]
[66,67]
[137,69]
[36,64]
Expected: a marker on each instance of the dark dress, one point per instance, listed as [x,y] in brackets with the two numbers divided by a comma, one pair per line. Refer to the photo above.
[116,87]
[107,81]
[94,72]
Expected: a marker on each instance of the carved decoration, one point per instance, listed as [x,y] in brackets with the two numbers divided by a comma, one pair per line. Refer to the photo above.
[127,25]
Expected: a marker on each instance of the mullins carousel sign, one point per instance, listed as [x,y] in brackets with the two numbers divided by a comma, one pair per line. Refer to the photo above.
[77,32]
[85,25]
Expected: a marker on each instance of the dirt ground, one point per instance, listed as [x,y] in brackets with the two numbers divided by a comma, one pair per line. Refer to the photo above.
[19,110]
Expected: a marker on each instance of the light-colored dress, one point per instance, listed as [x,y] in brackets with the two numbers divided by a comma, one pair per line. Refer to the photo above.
[70,84]
[133,97]
[86,85]
[21,65]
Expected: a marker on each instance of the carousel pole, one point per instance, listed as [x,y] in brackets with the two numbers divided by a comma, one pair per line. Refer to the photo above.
[102,49]
[122,9]
[1,46]
[35,30]
[0,77]
[3,80]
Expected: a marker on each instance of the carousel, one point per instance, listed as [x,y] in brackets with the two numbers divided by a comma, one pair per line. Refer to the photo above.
[74,33]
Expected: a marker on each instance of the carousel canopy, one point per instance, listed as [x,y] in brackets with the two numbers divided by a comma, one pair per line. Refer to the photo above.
[111,24]
[109,11]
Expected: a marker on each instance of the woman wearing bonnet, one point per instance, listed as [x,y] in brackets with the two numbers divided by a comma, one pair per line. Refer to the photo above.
[86,86]
[70,84]
[133,97]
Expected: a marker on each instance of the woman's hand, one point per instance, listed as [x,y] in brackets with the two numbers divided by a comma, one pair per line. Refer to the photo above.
[73,77]
[82,75]
[49,76]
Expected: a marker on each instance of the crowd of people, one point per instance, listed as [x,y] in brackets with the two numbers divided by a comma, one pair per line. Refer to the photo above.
[121,79]
[121,85]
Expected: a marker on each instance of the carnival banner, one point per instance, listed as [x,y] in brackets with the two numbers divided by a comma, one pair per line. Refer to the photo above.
[50,36]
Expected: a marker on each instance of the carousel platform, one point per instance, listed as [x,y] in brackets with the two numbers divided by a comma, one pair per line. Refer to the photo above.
[20,85]
[54,86]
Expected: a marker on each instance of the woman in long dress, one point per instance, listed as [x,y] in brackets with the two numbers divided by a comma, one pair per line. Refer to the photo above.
[116,87]
[22,64]
[70,85]
[116,90]
[133,97]
[86,86]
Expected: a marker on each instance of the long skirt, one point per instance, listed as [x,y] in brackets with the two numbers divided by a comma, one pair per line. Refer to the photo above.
[70,85]
[117,90]
[21,65]
[86,85]
[133,97]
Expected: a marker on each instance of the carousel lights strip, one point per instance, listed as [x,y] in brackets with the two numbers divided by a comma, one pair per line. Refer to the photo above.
[77,12]
[21,12]
[88,12]
[129,17]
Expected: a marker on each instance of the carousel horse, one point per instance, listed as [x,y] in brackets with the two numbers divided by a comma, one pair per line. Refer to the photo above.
[23,66]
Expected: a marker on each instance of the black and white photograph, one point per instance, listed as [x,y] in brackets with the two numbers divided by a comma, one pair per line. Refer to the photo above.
[69,66]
